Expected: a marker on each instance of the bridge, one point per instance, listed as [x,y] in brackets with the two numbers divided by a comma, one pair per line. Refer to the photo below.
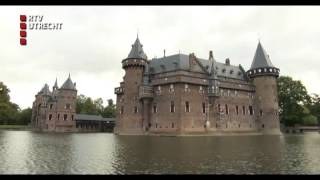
[301,129]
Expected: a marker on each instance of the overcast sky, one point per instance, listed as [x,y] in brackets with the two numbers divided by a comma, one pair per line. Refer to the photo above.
[94,40]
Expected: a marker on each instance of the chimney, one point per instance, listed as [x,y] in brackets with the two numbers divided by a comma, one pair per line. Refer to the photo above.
[227,61]
[210,55]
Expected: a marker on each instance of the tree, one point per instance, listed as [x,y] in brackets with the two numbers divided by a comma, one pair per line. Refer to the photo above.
[314,106]
[8,110]
[110,110]
[24,117]
[98,103]
[292,97]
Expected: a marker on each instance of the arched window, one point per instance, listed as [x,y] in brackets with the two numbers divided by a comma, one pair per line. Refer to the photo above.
[172,109]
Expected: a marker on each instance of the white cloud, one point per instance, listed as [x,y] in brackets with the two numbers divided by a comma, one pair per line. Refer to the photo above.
[95,39]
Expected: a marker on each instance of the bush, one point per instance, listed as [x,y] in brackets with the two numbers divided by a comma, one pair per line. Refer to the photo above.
[310,120]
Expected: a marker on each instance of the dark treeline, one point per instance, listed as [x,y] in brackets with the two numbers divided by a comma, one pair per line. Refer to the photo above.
[10,113]
[297,107]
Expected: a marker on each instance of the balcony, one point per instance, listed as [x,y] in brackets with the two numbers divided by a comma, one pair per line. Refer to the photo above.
[119,90]
[145,92]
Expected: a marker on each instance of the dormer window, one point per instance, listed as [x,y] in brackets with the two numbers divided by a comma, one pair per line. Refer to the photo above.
[163,68]
[223,70]
[171,89]
[239,73]
[231,71]
[186,88]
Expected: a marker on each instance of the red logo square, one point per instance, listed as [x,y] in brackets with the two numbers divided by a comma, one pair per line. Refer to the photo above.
[23,18]
[23,33]
[23,26]
[23,41]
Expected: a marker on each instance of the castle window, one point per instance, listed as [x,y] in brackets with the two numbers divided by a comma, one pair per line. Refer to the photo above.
[156,125]
[201,89]
[227,109]
[155,110]
[219,108]
[187,106]
[239,125]
[228,92]
[262,125]
[72,117]
[67,106]
[235,93]
[243,110]
[186,88]
[223,70]
[250,110]
[50,116]
[121,110]
[58,116]
[51,105]
[135,109]
[231,71]
[203,108]
[260,112]
[172,125]
[65,116]
[172,107]
[237,110]
[171,89]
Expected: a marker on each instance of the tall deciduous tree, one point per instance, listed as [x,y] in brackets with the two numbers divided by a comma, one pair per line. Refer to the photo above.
[292,97]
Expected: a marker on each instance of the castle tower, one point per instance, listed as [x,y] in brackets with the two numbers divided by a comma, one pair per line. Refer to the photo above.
[264,76]
[130,109]
[66,107]
[39,113]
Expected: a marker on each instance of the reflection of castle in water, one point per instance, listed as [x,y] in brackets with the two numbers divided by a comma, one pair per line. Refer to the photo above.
[181,94]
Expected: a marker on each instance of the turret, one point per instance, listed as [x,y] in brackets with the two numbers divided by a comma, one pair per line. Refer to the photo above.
[66,106]
[264,76]
[130,111]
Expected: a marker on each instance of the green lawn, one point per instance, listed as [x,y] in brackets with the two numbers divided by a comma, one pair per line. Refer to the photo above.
[16,127]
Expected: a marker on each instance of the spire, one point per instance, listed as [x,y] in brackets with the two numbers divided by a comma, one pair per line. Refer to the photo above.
[137,51]
[68,84]
[261,58]
[56,84]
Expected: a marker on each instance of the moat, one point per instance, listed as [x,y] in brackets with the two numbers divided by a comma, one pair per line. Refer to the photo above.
[26,152]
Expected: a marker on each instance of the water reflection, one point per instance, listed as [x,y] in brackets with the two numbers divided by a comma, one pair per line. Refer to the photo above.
[23,152]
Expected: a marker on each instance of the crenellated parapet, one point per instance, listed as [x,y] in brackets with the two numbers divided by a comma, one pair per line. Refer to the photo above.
[131,63]
[264,71]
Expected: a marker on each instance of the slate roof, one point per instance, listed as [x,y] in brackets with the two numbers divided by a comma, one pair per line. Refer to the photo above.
[56,84]
[137,51]
[87,117]
[261,58]
[181,62]
[45,90]
[68,84]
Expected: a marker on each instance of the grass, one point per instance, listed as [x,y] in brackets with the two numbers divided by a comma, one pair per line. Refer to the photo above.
[14,127]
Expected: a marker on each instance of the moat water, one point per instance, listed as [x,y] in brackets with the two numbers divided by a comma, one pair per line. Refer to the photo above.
[25,152]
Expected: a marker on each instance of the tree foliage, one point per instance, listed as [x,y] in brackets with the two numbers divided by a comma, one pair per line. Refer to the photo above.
[85,105]
[295,103]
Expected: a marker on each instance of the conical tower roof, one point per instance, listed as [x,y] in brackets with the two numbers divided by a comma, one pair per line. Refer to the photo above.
[45,90]
[68,84]
[56,84]
[137,51]
[261,58]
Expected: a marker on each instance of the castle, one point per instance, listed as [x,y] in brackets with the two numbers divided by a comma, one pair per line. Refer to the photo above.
[55,111]
[183,94]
